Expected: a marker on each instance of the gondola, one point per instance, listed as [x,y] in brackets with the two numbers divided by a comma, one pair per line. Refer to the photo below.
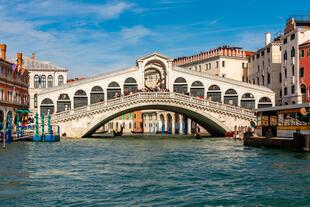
[118,133]
[137,132]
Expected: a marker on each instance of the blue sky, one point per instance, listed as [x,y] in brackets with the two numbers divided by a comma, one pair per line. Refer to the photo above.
[90,37]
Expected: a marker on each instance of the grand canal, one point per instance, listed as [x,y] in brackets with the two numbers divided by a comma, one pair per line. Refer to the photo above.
[152,172]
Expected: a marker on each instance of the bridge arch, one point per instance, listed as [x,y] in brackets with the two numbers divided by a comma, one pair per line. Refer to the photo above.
[214,126]
[180,85]
[113,90]
[130,85]
[231,97]
[80,99]
[63,102]
[197,89]
[214,92]
[248,101]
[47,106]
[96,95]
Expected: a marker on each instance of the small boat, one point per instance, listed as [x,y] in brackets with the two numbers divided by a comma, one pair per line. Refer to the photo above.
[137,132]
[118,133]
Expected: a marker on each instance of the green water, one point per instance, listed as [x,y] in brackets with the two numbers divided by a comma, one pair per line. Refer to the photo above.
[152,172]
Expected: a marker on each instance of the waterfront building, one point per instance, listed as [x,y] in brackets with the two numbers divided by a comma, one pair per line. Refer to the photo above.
[14,83]
[43,75]
[265,66]
[297,32]
[225,61]
[304,70]
[131,122]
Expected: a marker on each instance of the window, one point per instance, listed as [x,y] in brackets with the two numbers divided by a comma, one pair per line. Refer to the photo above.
[301,72]
[43,81]
[292,36]
[285,91]
[285,55]
[285,73]
[50,81]
[209,66]
[268,50]
[293,70]
[293,52]
[302,53]
[223,64]
[35,100]
[257,68]
[60,80]
[268,78]
[257,80]
[242,78]
[293,89]
[280,77]
[129,125]
[36,81]
[243,65]
[285,41]
[199,68]
[217,64]
[135,116]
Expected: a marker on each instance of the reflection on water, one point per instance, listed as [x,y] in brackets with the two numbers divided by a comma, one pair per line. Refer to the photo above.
[152,172]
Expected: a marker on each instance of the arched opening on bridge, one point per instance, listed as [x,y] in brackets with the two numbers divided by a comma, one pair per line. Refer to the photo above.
[180,86]
[96,95]
[80,99]
[231,97]
[248,101]
[130,86]
[169,123]
[264,102]
[155,75]
[162,123]
[197,89]
[47,106]
[63,102]
[214,93]
[113,91]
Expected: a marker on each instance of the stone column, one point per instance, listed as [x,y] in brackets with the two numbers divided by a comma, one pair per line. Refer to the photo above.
[173,124]
[181,125]
[189,126]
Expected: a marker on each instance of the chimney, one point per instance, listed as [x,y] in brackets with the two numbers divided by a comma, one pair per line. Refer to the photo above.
[3,51]
[33,56]
[267,38]
[20,59]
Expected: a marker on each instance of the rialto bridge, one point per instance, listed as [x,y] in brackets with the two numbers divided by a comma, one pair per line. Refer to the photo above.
[216,103]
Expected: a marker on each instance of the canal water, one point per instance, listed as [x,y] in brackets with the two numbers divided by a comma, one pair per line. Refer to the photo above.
[152,172]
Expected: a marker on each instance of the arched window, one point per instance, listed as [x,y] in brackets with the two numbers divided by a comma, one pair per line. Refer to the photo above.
[248,101]
[43,81]
[50,81]
[80,99]
[180,85]
[285,55]
[293,52]
[35,101]
[60,80]
[36,81]
[96,95]
[231,97]
[47,106]
[214,93]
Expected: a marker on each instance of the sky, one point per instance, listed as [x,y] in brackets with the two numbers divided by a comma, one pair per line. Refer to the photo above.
[94,36]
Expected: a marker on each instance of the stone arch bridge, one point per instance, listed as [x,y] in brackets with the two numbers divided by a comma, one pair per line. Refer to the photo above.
[215,117]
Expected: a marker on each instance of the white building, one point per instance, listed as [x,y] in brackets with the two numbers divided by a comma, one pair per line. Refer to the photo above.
[225,61]
[297,31]
[265,66]
[43,75]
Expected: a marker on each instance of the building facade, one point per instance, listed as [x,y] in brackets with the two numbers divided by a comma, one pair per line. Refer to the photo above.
[265,66]
[304,70]
[43,75]
[297,31]
[225,61]
[14,83]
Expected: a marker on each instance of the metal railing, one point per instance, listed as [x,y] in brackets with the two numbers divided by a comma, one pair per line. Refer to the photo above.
[152,95]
